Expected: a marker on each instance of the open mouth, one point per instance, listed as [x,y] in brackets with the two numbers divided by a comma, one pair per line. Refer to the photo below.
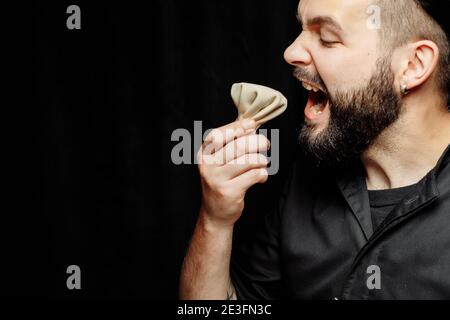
[318,101]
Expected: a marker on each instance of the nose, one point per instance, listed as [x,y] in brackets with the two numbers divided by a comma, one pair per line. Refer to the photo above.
[297,54]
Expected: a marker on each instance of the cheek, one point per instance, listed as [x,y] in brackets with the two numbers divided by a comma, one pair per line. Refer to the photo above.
[343,69]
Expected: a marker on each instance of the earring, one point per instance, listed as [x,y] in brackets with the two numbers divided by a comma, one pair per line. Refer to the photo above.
[404,86]
[404,89]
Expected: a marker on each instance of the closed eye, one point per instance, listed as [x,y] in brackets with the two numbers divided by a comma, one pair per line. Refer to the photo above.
[328,44]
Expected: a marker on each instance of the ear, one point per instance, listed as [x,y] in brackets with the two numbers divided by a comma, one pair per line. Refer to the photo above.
[417,64]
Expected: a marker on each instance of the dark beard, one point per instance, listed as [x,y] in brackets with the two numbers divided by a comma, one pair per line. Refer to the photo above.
[356,119]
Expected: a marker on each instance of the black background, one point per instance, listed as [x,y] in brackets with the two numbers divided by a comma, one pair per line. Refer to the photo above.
[105,193]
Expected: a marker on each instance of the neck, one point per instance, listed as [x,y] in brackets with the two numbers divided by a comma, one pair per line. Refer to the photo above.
[406,151]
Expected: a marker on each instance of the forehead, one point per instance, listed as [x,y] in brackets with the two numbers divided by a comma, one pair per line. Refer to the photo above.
[348,13]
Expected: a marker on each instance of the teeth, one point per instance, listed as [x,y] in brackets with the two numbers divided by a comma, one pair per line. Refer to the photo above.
[309,87]
[317,109]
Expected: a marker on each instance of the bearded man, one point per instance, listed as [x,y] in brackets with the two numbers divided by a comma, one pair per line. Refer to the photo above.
[367,215]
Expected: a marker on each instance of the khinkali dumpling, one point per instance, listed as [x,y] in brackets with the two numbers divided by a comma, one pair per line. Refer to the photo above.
[257,102]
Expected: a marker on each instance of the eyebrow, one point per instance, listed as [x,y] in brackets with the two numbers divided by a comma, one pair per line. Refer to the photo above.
[321,20]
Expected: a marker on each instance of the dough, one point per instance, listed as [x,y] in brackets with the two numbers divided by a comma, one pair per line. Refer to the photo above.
[257,102]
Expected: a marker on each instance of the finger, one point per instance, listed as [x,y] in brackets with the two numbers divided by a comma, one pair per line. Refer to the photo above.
[249,178]
[219,137]
[247,144]
[243,164]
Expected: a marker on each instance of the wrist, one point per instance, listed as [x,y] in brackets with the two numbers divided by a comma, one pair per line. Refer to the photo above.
[214,225]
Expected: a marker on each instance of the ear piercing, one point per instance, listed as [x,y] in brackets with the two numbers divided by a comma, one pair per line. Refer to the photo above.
[404,88]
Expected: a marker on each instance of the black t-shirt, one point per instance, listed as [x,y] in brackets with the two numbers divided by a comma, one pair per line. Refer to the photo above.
[382,202]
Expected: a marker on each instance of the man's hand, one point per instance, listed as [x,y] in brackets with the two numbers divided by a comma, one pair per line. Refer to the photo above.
[230,162]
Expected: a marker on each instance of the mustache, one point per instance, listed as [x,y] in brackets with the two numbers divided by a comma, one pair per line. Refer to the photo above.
[302,75]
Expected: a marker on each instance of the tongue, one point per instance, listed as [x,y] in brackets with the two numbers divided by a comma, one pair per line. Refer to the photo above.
[316,105]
